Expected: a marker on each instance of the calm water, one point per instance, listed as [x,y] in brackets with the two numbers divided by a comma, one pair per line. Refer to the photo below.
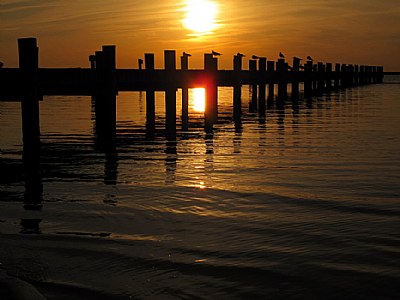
[301,205]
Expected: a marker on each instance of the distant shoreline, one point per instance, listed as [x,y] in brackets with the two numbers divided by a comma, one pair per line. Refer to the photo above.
[391,73]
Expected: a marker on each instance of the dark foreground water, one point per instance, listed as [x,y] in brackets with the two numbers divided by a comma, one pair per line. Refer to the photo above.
[301,205]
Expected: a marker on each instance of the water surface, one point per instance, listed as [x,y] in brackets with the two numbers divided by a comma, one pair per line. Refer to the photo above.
[300,204]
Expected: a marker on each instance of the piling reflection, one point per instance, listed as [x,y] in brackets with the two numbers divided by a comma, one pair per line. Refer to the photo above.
[170,162]
[111,168]
[237,107]
[30,226]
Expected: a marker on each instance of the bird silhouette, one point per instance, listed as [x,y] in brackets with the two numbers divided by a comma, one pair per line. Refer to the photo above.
[186,54]
[297,58]
[215,53]
[240,54]
[309,58]
[255,57]
[281,55]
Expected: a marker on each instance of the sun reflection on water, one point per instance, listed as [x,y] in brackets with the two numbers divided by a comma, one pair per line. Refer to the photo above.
[198,99]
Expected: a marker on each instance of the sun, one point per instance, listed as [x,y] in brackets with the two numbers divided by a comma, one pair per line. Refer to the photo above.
[201,16]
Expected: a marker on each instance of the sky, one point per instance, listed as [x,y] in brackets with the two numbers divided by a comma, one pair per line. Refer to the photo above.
[338,31]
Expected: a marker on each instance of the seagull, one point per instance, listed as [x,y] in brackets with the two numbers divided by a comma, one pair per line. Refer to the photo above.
[309,58]
[281,55]
[215,53]
[255,57]
[240,54]
[294,57]
[186,54]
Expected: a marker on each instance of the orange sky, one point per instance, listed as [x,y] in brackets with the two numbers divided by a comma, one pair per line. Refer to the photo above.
[345,31]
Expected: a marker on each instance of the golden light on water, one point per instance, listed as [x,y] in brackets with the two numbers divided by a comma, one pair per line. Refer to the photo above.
[198,99]
[201,16]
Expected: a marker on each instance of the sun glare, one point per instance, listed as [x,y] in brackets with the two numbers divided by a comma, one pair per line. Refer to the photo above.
[201,16]
[199,99]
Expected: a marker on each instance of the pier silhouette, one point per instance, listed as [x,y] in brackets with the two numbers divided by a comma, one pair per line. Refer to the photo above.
[29,83]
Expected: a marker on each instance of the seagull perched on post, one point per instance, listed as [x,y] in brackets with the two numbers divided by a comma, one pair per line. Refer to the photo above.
[186,54]
[214,53]
[309,58]
[255,57]
[297,58]
[240,54]
[281,55]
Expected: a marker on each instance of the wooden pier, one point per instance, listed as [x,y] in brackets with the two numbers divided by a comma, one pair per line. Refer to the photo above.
[29,83]
[103,81]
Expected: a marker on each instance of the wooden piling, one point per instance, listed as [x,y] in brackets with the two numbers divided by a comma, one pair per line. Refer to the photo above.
[150,97]
[295,78]
[337,76]
[185,93]
[281,68]
[262,70]
[320,77]
[356,75]
[362,79]
[211,107]
[92,60]
[308,79]
[28,64]
[271,79]
[253,100]
[105,99]
[343,76]
[379,74]
[314,78]
[328,76]
[237,90]
[170,94]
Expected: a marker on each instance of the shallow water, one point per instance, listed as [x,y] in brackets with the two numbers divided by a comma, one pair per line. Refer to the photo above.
[301,204]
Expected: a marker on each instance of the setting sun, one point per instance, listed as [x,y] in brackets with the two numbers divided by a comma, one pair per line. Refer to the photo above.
[200,16]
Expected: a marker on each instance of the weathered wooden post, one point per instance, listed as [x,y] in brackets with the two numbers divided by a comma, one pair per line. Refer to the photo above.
[262,70]
[185,92]
[343,76]
[356,75]
[370,74]
[281,68]
[353,75]
[380,74]
[28,65]
[374,74]
[308,79]
[337,76]
[92,60]
[314,77]
[271,80]
[237,90]
[150,97]
[211,107]
[253,100]
[295,78]
[170,94]
[362,75]
[320,77]
[328,76]
[106,105]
